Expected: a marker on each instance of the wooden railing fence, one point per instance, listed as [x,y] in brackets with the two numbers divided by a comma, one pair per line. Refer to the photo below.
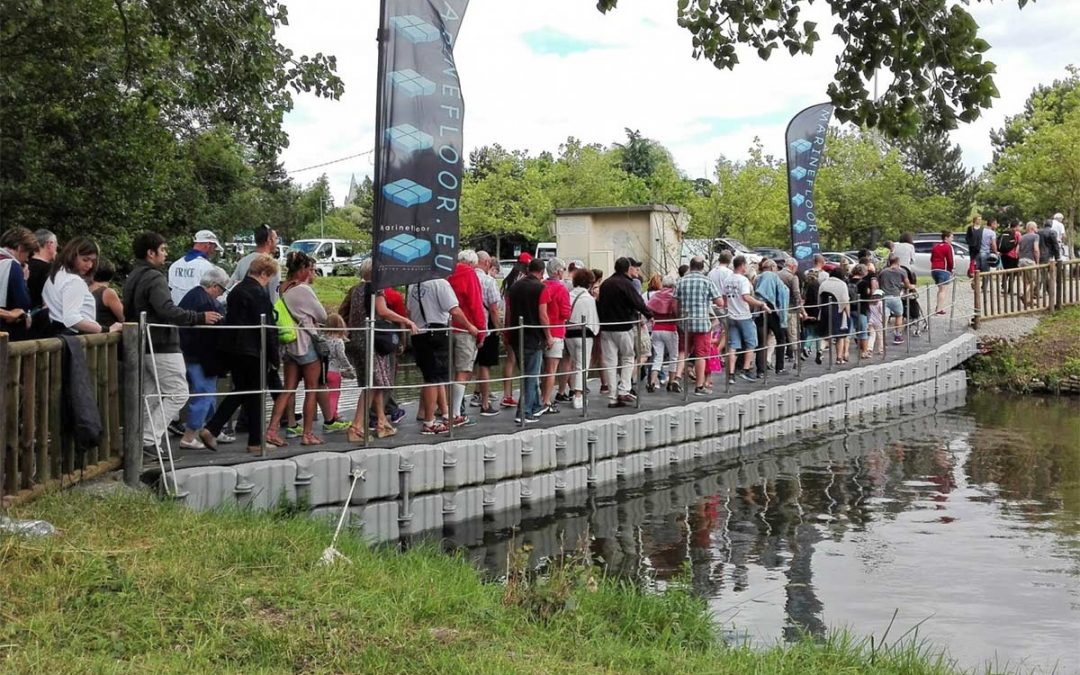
[1025,290]
[36,449]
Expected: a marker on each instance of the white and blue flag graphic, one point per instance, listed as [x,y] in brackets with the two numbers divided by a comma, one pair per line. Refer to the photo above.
[419,161]
[805,138]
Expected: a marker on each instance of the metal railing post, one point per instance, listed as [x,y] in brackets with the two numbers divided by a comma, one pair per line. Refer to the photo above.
[451,414]
[686,365]
[927,313]
[583,366]
[798,346]
[4,375]
[262,385]
[952,302]
[829,342]
[132,412]
[521,370]
[637,366]
[907,323]
[366,396]
[976,288]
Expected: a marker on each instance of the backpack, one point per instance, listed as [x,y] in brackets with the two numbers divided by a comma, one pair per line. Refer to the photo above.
[285,322]
[662,304]
[1006,242]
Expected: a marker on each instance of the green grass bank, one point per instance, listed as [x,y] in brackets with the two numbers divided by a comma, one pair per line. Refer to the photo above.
[132,584]
[1047,360]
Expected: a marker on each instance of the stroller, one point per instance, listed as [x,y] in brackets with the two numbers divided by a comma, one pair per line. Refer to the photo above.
[913,312]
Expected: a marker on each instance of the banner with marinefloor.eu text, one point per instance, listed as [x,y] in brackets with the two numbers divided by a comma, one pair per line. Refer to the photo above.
[419,129]
[805,139]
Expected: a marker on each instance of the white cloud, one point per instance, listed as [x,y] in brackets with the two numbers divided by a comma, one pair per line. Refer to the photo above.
[641,76]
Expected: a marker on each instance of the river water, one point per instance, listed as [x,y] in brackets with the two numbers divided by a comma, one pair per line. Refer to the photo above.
[963,523]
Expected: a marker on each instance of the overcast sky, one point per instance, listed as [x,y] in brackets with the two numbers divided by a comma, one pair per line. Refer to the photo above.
[536,72]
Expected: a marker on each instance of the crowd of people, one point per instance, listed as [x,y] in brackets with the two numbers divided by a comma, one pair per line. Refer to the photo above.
[550,321]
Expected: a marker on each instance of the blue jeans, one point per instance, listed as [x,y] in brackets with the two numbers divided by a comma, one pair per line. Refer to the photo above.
[530,388]
[200,408]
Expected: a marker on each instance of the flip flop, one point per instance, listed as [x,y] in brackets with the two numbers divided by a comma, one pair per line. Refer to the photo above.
[276,441]
[312,439]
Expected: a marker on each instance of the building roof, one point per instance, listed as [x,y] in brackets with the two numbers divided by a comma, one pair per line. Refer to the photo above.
[640,208]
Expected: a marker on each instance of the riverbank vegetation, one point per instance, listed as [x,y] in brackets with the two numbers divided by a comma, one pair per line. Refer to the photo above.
[1046,360]
[134,584]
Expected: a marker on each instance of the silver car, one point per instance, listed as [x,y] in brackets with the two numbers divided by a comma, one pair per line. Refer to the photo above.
[923,248]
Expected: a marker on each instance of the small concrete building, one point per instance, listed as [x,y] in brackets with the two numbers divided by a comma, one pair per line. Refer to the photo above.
[598,236]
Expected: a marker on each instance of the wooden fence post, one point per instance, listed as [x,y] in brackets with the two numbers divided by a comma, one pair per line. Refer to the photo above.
[132,369]
[4,368]
[977,289]
[1052,271]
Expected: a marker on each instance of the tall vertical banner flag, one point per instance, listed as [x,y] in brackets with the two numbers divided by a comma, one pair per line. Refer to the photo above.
[805,146]
[418,142]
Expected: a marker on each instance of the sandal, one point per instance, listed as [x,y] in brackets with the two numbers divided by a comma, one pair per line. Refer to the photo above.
[254,449]
[275,440]
[312,439]
[385,431]
[354,435]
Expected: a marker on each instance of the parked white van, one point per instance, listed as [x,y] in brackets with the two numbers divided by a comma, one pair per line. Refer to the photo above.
[328,253]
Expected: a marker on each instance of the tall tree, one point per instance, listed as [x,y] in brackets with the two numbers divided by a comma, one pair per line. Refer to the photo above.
[105,104]
[931,49]
[941,163]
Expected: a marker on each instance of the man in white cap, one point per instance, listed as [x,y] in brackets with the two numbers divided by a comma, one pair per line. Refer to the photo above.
[185,273]
[1058,226]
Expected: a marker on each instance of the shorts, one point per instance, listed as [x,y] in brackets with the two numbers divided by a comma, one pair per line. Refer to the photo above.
[742,334]
[432,353]
[311,356]
[700,345]
[488,356]
[894,306]
[465,351]
[940,276]
[557,348]
[862,324]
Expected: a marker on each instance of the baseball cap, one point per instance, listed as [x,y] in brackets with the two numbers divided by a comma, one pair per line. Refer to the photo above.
[525,258]
[634,262]
[207,237]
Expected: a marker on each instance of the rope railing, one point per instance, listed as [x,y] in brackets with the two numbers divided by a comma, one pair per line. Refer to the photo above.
[687,361]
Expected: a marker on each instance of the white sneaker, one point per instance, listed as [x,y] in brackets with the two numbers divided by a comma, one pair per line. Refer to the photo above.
[226,437]
[579,402]
[193,444]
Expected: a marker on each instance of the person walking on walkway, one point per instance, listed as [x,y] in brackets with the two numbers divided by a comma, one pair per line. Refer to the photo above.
[665,336]
[1029,257]
[941,267]
[185,273]
[974,238]
[771,290]
[356,309]
[241,349]
[555,310]
[470,297]
[620,307]
[583,325]
[789,274]
[894,282]
[201,356]
[164,375]
[529,336]
[303,360]
[835,294]
[695,294]
[432,304]
[742,334]
[266,243]
[488,356]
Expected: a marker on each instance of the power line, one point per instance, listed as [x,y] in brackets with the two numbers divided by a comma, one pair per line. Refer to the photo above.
[333,161]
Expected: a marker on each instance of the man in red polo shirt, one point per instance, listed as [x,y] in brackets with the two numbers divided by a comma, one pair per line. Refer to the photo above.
[470,297]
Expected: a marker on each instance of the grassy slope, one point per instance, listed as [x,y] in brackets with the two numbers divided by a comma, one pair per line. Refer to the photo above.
[331,290]
[137,585]
[1050,353]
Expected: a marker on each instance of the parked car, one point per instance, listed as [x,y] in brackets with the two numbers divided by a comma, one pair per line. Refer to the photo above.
[772,253]
[708,250]
[923,248]
[328,253]
[874,258]
[838,258]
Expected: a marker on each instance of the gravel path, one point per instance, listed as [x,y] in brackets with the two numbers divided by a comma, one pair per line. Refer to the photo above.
[1009,328]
